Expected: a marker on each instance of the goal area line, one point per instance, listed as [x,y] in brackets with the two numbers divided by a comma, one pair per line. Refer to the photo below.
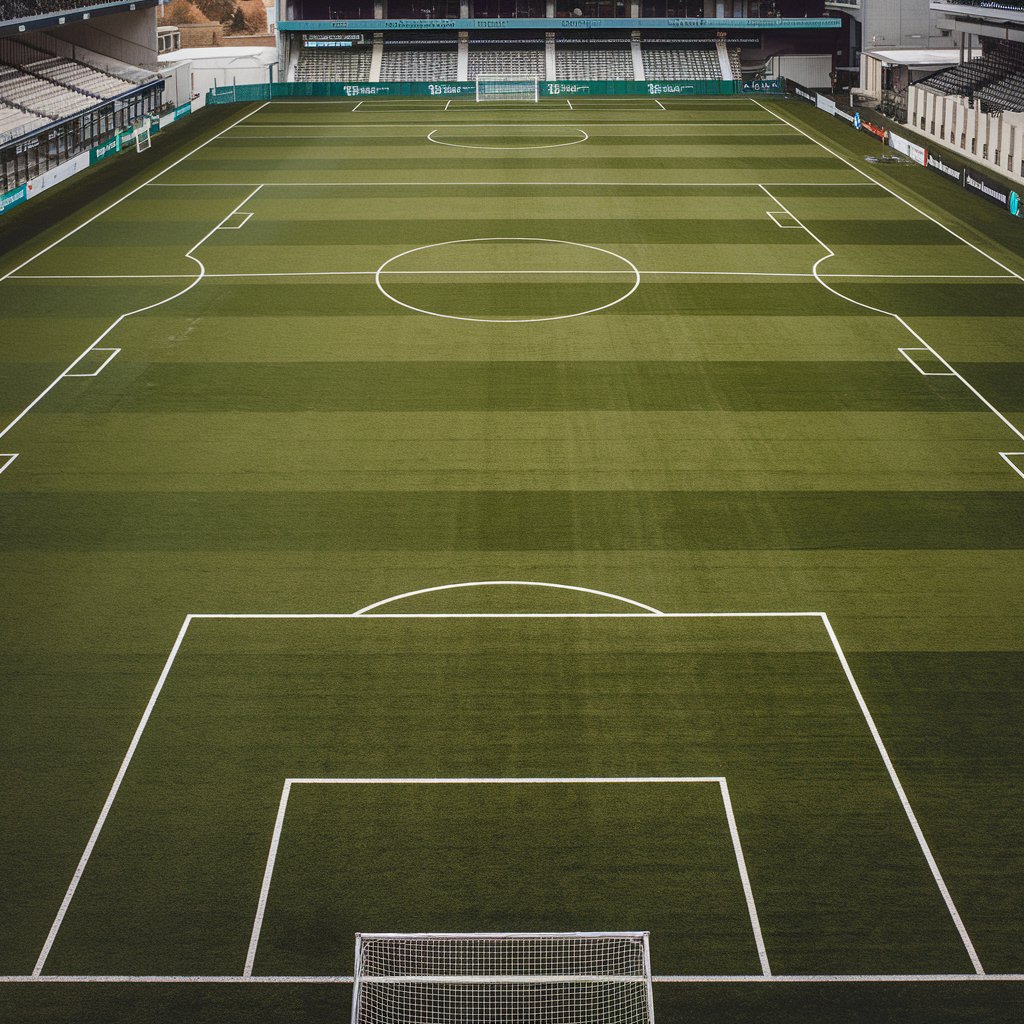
[720,781]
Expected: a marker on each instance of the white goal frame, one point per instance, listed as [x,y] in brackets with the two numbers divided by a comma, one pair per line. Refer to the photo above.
[432,983]
[143,136]
[528,93]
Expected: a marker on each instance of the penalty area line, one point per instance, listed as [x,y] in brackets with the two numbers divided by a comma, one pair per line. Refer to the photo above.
[370,612]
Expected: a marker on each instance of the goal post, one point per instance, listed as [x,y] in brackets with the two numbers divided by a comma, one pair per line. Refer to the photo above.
[143,136]
[506,88]
[503,978]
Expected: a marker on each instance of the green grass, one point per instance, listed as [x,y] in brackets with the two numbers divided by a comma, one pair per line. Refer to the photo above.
[717,441]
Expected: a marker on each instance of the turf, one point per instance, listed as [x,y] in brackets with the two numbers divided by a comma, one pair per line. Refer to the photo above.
[718,440]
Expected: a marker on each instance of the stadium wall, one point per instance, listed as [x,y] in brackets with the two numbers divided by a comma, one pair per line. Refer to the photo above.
[973,180]
[995,141]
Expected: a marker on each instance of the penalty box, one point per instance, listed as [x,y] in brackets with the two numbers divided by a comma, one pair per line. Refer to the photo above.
[176,870]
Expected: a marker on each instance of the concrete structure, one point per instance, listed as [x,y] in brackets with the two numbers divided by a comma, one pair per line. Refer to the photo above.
[889,24]
[210,67]
[883,71]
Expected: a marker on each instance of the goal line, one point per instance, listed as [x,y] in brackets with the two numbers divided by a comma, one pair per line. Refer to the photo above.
[509,88]
[492,977]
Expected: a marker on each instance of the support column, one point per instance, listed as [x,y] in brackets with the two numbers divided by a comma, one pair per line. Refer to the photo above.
[639,74]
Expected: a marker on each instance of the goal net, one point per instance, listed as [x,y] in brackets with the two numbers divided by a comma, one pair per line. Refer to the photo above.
[143,136]
[518,978]
[507,87]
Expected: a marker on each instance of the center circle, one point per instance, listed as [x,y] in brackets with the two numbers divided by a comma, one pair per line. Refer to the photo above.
[513,132]
[471,258]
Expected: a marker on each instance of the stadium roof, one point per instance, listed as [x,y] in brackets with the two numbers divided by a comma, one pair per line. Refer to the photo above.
[916,58]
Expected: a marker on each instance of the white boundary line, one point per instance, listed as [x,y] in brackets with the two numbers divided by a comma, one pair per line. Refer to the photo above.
[128,195]
[953,372]
[112,352]
[365,613]
[506,320]
[109,802]
[246,217]
[723,789]
[905,352]
[644,273]
[340,979]
[885,188]
[650,609]
[8,458]
[508,184]
[779,224]
[904,800]
[777,132]
[553,145]
[513,124]
[1007,457]
[124,316]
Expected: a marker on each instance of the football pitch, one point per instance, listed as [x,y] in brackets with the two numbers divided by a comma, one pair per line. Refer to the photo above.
[594,515]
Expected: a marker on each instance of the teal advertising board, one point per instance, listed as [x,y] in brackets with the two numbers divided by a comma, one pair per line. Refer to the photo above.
[367,90]
[13,198]
[98,153]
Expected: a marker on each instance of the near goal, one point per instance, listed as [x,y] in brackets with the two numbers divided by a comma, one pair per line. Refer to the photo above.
[553,978]
[507,87]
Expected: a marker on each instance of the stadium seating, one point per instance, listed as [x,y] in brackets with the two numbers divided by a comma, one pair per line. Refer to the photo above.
[15,122]
[964,79]
[661,63]
[10,9]
[40,96]
[576,62]
[79,76]
[333,66]
[1006,94]
[402,65]
[506,62]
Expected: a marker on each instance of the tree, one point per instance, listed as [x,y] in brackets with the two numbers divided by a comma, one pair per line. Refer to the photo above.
[255,16]
[217,10]
[182,12]
[237,23]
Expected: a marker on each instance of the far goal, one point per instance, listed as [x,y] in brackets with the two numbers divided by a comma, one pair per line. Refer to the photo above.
[488,978]
[507,87]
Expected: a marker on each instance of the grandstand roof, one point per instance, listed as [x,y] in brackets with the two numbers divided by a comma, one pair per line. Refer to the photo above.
[223,55]
[917,58]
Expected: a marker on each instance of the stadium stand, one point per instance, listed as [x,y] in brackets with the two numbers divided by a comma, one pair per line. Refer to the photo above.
[1006,94]
[965,79]
[505,62]
[41,96]
[11,9]
[15,122]
[607,63]
[678,63]
[79,76]
[404,65]
[333,66]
